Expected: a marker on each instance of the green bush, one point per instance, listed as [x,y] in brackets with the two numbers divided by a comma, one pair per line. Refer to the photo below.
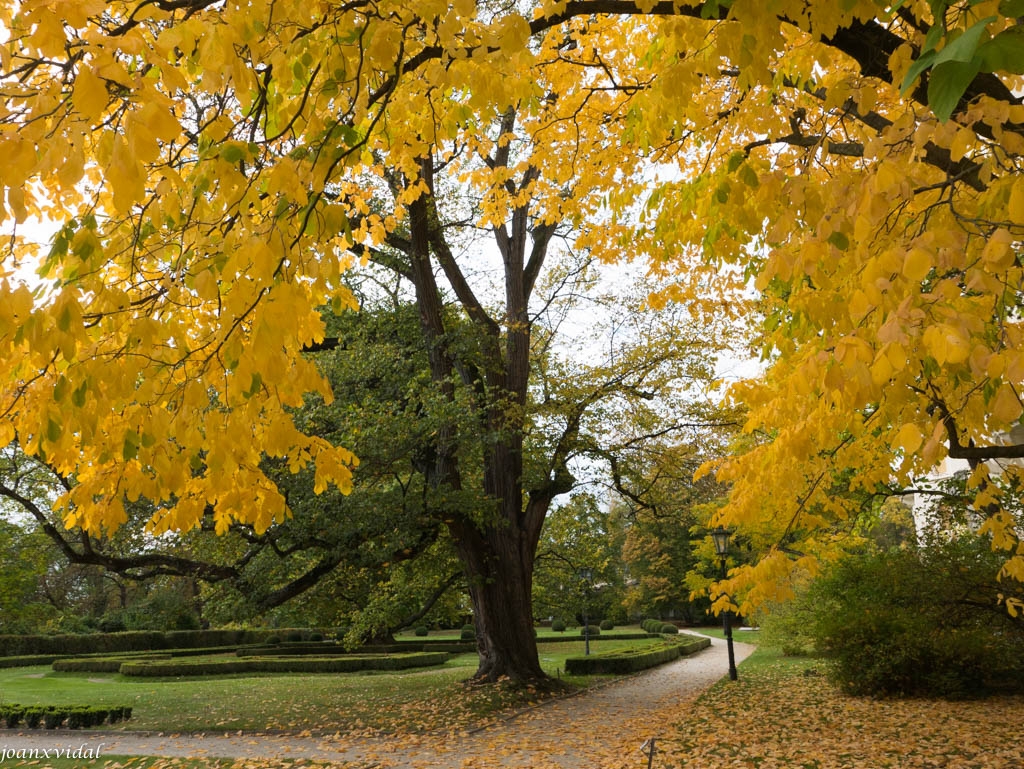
[668,629]
[623,661]
[421,631]
[342,664]
[558,625]
[607,624]
[590,630]
[919,622]
[468,633]
[294,636]
[315,637]
[33,717]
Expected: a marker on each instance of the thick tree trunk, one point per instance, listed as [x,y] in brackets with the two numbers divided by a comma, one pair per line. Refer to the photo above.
[499,565]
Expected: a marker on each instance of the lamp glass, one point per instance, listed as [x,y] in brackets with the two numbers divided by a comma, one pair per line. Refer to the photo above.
[721,538]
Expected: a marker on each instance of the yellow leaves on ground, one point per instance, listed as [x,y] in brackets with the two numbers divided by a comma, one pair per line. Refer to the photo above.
[777,715]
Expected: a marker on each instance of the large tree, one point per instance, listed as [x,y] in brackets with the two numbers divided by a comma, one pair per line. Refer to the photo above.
[213,168]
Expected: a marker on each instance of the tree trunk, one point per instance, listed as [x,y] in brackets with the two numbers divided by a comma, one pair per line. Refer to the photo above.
[499,565]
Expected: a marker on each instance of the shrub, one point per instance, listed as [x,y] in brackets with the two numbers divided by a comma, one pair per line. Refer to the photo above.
[342,664]
[607,624]
[468,633]
[590,630]
[623,661]
[273,640]
[294,636]
[33,717]
[558,625]
[54,718]
[919,622]
[421,631]
[13,715]
[316,637]
[668,629]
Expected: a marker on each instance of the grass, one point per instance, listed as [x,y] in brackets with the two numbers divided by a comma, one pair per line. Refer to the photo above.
[365,703]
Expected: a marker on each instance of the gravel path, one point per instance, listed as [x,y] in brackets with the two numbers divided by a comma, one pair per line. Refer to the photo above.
[597,729]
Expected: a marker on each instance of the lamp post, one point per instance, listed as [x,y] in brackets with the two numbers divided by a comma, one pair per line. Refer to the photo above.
[586,575]
[721,539]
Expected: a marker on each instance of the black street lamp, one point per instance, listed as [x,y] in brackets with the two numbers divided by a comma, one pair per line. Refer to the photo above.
[721,538]
[586,575]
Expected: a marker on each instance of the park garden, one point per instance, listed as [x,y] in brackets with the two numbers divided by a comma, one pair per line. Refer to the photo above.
[354,355]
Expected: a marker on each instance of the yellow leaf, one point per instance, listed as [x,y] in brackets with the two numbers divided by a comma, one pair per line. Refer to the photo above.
[1005,407]
[90,96]
[917,265]
[909,438]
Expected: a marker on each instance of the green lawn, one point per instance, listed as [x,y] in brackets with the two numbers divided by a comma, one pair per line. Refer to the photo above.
[415,700]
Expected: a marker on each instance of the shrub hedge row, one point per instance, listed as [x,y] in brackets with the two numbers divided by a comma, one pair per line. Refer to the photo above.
[347,664]
[55,716]
[101,664]
[136,640]
[622,661]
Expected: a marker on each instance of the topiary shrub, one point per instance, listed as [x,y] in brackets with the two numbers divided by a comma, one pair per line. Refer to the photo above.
[316,637]
[468,633]
[421,631]
[607,624]
[668,629]
[294,636]
[590,630]
[558,625]
[273,640]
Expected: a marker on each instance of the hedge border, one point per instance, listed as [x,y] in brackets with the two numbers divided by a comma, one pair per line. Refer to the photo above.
[623,661]
[16,716]
[342,664]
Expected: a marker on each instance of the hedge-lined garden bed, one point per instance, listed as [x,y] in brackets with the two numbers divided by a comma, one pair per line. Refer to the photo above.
[351,663]
[135,640]
[102,664]
[622,661]
[68,716]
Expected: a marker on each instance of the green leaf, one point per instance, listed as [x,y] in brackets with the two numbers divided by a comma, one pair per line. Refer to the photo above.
[130,449]
[78,396]
[947,84]
[965,46]
[54,429]
[919,66]
[1004,52]
[961,49]
[60,390]
[839,240]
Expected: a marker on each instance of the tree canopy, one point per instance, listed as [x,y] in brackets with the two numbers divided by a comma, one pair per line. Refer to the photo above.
[844,176]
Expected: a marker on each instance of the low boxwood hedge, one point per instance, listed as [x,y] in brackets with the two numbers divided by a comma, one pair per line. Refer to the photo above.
[54,716]
[100,664]
[622,661]
[341,664]
[106,644]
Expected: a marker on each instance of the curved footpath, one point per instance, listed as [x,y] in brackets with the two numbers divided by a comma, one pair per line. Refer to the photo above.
[602,728]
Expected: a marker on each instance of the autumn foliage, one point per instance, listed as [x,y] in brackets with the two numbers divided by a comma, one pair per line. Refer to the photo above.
[844,178]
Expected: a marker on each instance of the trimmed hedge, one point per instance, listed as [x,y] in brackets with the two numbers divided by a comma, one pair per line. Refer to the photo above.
[592,631]
[54,716]
[624,661]
[609,637]
[346,664]
[293,649]
[100,664]
[136,640]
